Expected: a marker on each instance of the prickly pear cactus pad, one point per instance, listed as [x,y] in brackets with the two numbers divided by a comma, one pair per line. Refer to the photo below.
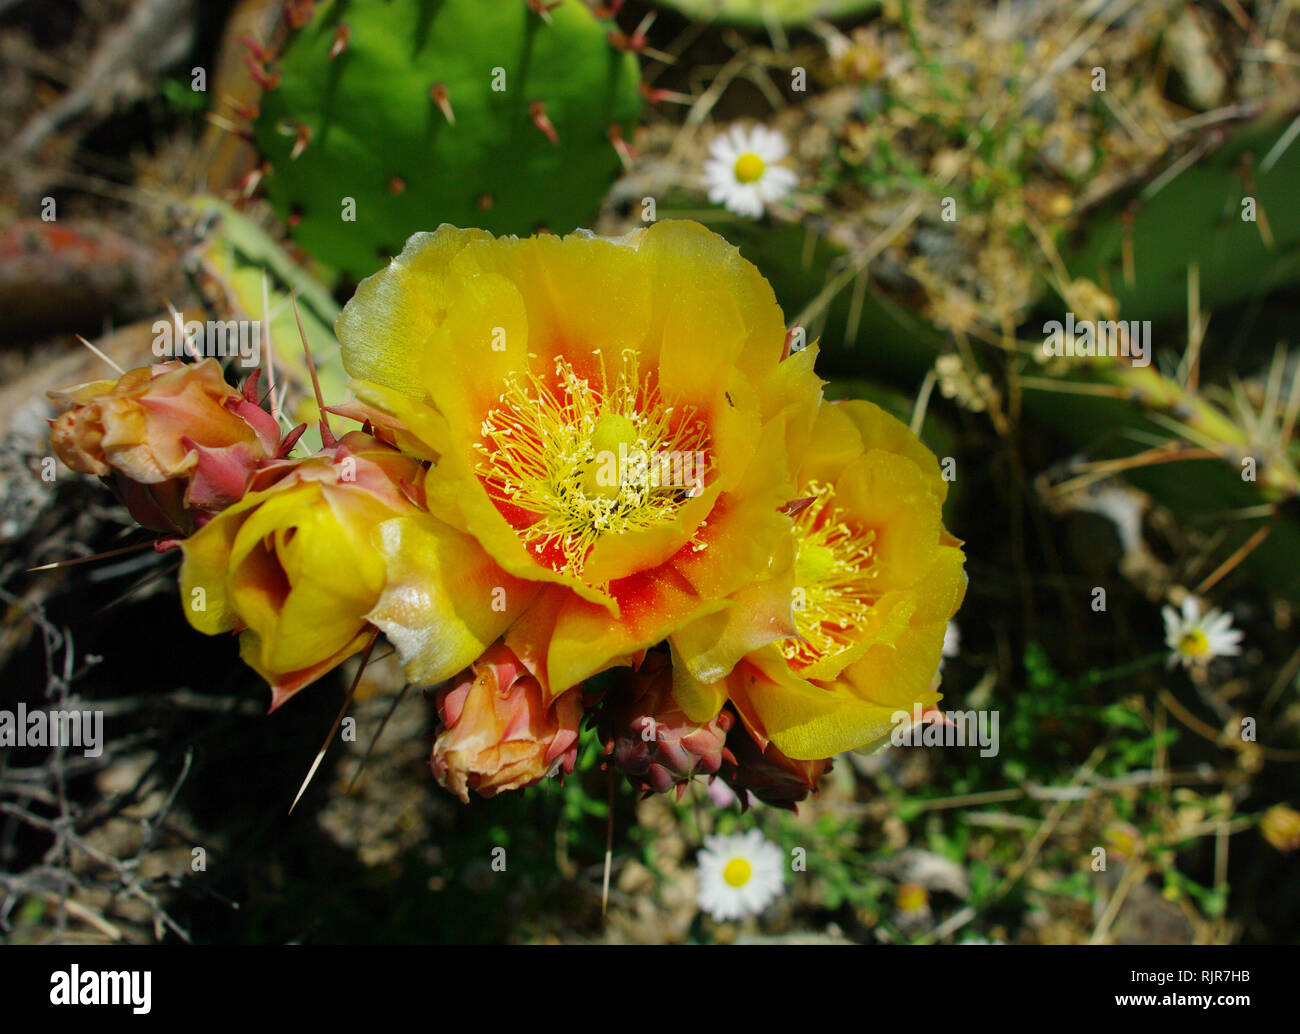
[759,12]
[394,115]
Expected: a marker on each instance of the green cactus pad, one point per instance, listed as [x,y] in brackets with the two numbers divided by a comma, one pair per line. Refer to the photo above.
[759,12]
[374,133]
[1197,218]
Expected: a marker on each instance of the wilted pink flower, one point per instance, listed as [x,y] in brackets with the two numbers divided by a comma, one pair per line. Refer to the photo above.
[174,440]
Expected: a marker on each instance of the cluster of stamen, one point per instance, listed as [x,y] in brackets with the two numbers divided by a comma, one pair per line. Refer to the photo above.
[559,457]
[834,568]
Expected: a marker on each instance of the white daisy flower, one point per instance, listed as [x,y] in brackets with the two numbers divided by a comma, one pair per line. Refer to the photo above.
[1194,638]
[739,875]
[741,171]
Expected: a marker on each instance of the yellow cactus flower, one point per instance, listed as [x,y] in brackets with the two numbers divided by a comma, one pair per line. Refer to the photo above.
[876,578]
[294,566]
[612,423]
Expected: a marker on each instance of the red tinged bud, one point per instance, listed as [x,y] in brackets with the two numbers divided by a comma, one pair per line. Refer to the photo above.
[651,740]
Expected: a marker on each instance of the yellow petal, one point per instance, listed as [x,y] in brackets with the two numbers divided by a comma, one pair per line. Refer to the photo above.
[383,329]
[792,396]
[566,640]
[285,684]
[880,430]
[581,293]
[888,617]
[444,601]
[708,648]
[704,332]
[699,700]
[205,563]
[323,611]
[890,495]
[424,432]
[482,340]
[808,721]
[682,255]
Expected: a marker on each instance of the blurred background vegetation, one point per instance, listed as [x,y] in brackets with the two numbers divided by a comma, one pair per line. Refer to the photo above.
[962,180]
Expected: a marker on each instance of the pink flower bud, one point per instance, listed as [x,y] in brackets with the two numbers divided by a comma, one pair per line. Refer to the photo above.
[174,440]
[498,732]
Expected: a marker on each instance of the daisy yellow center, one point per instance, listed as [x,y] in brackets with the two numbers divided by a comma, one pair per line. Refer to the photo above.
[834,568]
[749,168]
[912,897]
[736,873]
[570,459]
[1193,643]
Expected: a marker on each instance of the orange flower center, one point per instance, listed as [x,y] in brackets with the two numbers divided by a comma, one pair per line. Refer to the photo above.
[568,461]
[834,568]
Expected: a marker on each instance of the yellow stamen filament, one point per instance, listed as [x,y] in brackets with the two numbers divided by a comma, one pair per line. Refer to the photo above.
[551,449]
[834,568]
